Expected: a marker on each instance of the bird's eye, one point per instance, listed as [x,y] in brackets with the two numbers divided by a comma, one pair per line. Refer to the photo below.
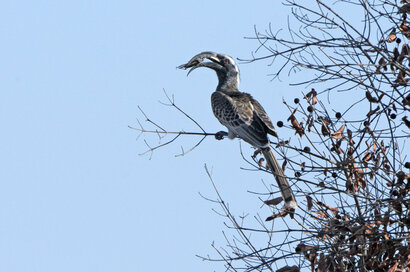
[226,61]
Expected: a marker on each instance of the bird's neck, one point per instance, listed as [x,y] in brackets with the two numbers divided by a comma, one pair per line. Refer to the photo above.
[228,82]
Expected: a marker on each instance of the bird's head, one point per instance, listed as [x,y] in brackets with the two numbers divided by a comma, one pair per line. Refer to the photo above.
[224,66]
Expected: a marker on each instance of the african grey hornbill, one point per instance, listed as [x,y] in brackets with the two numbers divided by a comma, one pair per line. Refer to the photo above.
[241,114]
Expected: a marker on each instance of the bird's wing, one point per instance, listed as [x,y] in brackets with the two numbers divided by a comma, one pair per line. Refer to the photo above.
[237,112]
[260,112]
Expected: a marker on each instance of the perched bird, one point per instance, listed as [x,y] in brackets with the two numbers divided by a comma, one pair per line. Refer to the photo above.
[241,114]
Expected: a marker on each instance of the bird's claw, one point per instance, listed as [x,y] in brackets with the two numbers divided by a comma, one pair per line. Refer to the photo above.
[220,135]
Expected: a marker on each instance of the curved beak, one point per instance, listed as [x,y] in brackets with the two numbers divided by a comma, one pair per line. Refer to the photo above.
[197,61]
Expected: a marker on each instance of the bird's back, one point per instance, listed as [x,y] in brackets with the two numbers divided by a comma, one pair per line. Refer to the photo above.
[243,116]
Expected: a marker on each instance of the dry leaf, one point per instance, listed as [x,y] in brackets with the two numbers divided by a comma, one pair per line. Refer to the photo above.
[273,202]
[282,143]
[339,133]
[362,183]
[295,125]
[349,134]
[397,206]
[312,257]
[322,214]
[349,185]
[333,210]
[260,162]
[383,64]
[406,122]
[325,130]
[371,98]
[312,96]
[289,269]
[392,36]
[405,30]
[309,122]
[314,100]
[336,147]
[392,68]
[367,157]
[285,161]
[323,263]
[395,54]
[303,248]
[401,80]
[404,9]
[302,166]
[377,70]
[400,177]
[405,101]
[404,52]
[309,202]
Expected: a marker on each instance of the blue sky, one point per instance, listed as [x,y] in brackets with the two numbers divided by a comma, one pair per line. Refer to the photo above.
[75,195]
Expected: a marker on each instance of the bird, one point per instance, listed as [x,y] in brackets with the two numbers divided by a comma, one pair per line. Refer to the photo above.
[241,114]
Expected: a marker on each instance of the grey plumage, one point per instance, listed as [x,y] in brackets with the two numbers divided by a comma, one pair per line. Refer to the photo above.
[244,117]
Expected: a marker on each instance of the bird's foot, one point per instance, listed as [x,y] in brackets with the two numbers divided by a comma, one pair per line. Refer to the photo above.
[220,135]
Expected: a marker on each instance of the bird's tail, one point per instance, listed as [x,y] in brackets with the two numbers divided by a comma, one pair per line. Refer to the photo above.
[285,190]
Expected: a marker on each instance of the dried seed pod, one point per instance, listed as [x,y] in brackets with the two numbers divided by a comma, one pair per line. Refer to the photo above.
[392,36]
